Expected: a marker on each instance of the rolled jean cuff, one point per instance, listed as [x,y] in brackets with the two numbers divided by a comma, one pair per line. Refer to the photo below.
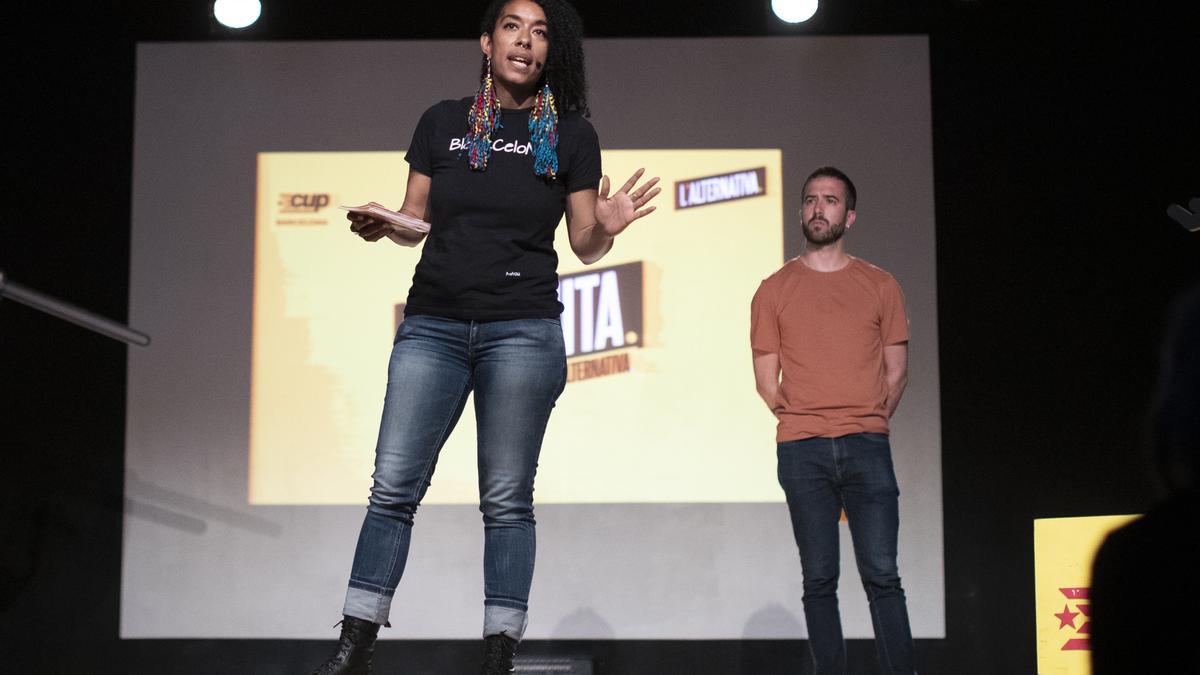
[505,620]
[368,605]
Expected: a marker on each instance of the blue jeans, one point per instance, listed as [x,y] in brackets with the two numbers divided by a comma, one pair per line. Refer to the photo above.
[822,476]
[517,370]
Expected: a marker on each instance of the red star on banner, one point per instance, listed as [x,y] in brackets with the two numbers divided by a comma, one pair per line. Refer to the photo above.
[1066,617]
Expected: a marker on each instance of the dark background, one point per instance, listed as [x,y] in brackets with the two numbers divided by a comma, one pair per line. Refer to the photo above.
[1061,133]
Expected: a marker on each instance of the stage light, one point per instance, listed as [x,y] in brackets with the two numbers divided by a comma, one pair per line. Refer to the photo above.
[237,13]
[794,11]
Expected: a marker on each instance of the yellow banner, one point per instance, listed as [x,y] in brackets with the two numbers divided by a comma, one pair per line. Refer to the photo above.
[1063,551]
[660,404]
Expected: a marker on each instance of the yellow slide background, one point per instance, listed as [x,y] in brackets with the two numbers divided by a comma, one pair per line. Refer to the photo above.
[683,425]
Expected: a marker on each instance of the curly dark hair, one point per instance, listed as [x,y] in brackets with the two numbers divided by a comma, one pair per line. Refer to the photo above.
[564,62]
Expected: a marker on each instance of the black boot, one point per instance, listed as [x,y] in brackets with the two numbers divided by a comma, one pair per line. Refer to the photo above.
[355,649]
[498,653]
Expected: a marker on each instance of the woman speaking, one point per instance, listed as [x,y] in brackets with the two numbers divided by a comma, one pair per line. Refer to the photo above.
[491,175]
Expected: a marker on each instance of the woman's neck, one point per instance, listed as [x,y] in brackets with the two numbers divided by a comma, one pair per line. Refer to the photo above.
[514,99]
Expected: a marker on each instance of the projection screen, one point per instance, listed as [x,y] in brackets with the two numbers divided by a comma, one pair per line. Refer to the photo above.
[252,417]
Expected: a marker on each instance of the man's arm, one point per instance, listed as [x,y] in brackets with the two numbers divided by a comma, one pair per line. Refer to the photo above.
[895,370]
[766,378]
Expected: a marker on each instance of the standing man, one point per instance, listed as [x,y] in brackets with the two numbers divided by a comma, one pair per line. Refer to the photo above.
[830,343]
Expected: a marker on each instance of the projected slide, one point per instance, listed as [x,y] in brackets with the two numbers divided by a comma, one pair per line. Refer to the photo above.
[252,419]
[655,333]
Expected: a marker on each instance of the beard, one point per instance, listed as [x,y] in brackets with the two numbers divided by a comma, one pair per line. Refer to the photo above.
[832,232]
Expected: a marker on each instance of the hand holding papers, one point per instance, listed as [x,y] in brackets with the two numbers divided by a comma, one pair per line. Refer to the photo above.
[394,218]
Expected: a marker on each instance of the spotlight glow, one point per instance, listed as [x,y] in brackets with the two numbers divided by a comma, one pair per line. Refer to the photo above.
[237,13]
[794,11]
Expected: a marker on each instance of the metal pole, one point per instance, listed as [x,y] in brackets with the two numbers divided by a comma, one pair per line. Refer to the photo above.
[68,312]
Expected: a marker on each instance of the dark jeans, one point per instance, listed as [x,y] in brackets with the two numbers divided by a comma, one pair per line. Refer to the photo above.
[517,369]
[822,476]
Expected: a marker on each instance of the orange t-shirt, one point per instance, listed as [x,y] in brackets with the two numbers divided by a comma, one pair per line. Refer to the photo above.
[829,330]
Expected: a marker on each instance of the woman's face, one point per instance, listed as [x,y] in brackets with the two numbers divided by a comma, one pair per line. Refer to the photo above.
[518,44]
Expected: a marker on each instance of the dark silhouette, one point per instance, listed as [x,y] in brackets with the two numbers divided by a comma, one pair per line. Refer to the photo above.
[1144,581]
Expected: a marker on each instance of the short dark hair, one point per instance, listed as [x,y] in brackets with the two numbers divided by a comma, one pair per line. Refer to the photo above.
[834,172]
[564,62]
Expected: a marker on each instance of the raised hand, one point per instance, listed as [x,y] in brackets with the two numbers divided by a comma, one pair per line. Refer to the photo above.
[615,213]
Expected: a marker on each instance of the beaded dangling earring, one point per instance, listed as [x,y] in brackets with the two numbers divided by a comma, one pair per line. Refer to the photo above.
[483,119]
[543,133]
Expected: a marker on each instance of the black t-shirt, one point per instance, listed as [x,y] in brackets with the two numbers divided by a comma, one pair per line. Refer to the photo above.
[490,250]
